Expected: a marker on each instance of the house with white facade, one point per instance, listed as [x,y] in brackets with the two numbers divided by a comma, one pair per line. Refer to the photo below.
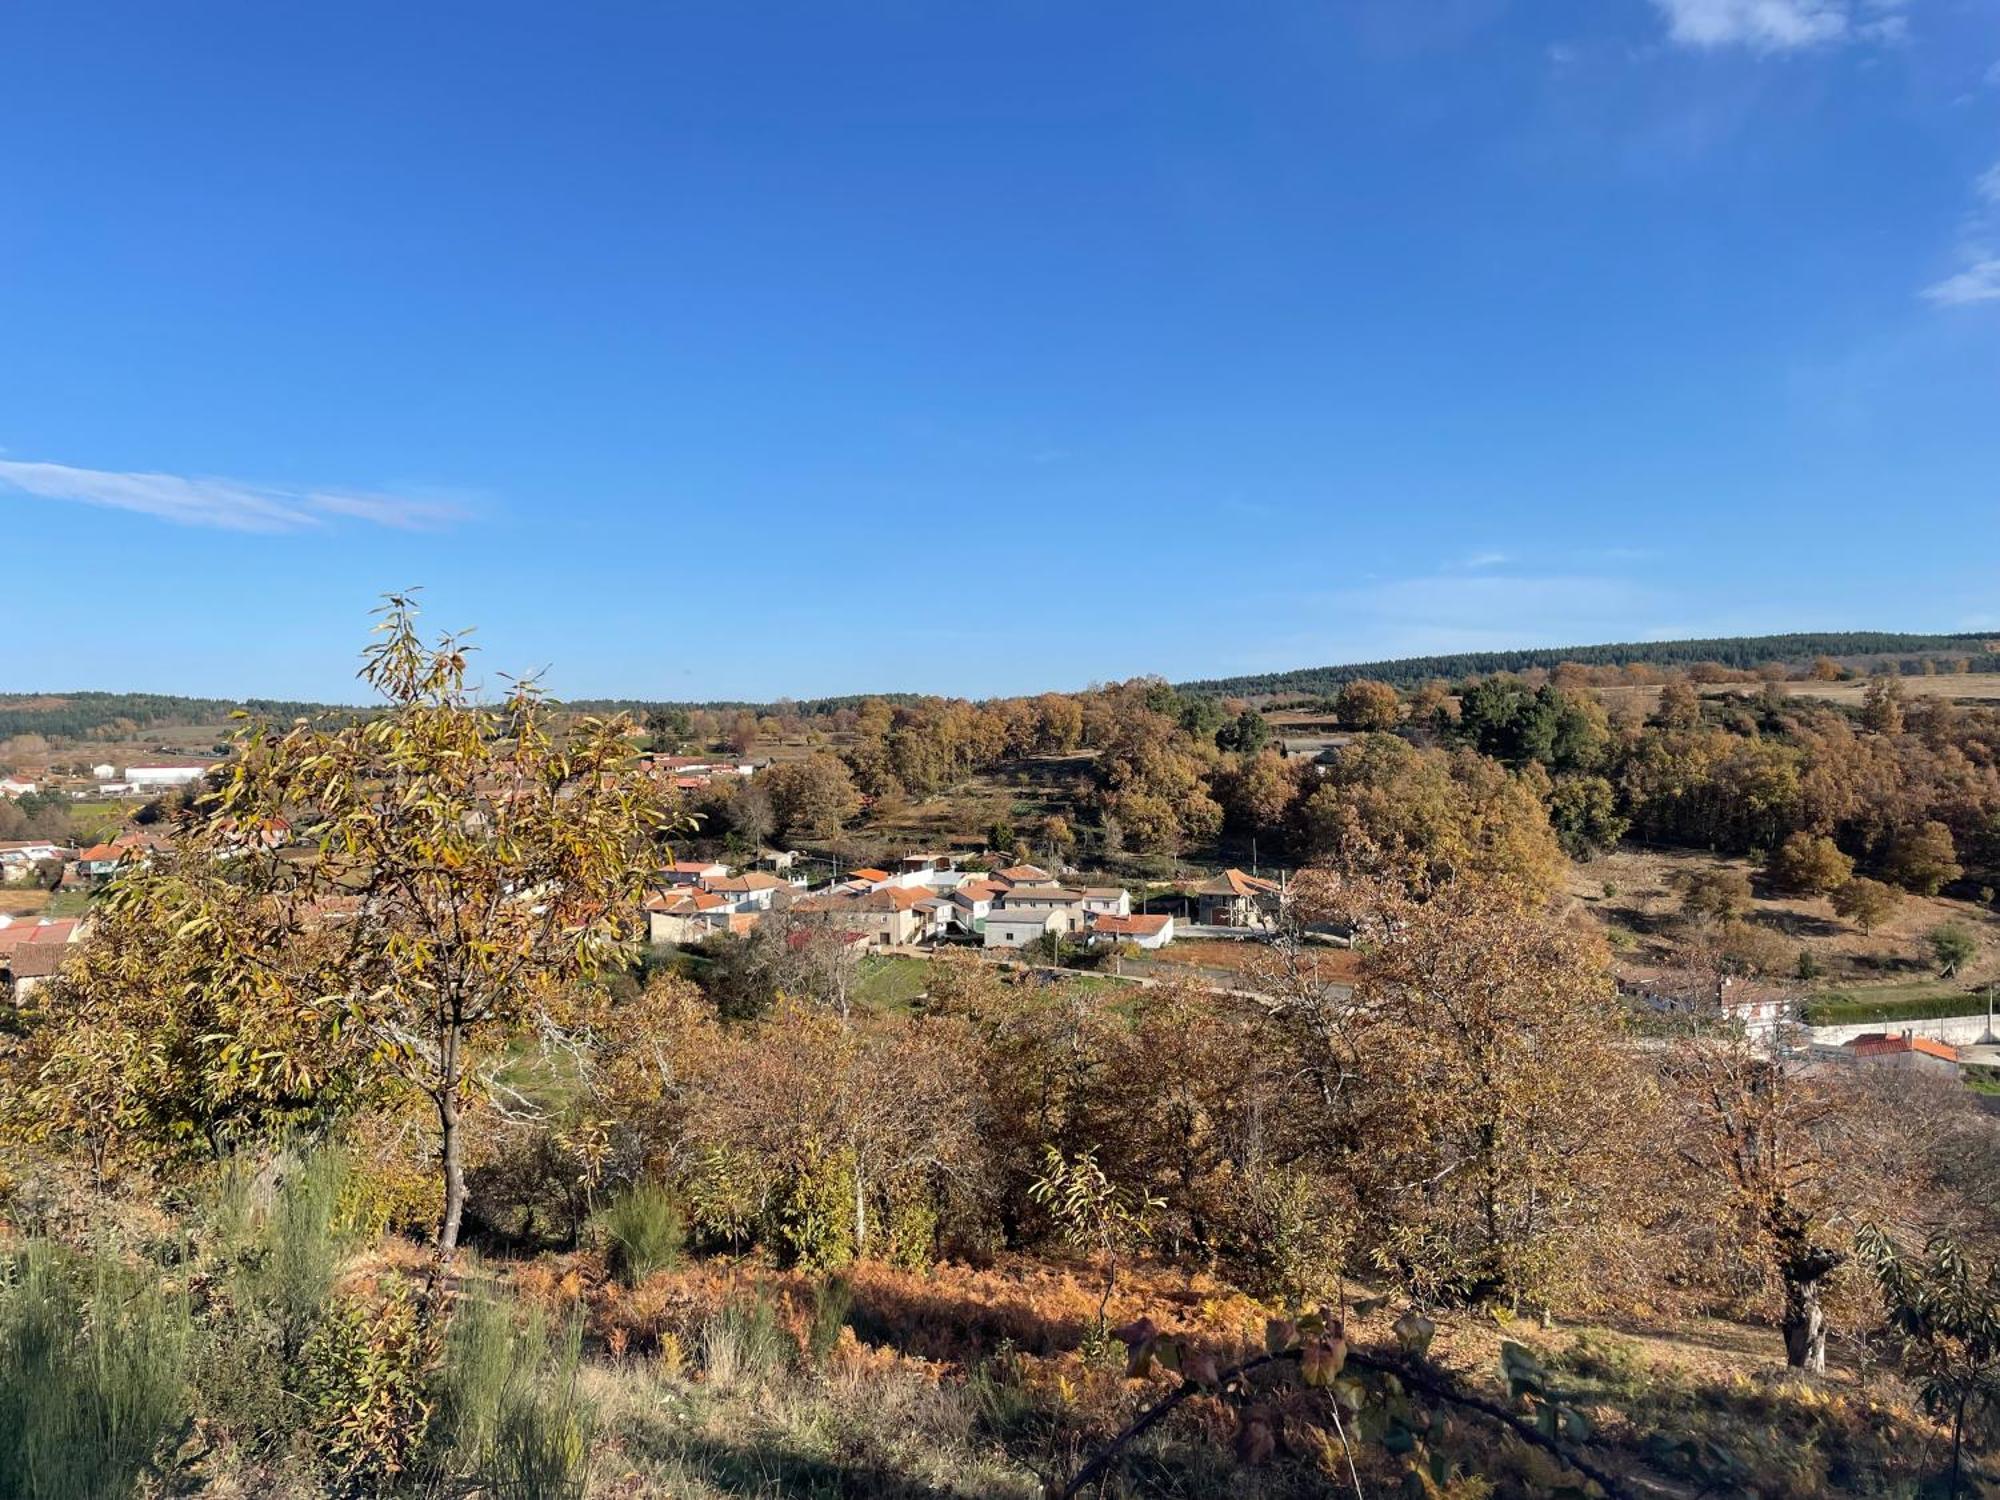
[167,774]
[1140,931]
[1107,901]
[20,858]
[693,871]
[31,951]
[1064,904]
[972,903]
[754,891]
[99,861]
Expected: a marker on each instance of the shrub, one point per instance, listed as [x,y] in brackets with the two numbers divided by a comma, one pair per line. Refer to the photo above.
[1746,948]
[1714,895]
[361,1381]
[509,1418]
[92,1376]
[744,1341]
[645,1233]
[274,1288]
[1924,859]
[1953,946]
[1865,902]
[812,1215]
[833,1299]
[1810,865]
[302,1247]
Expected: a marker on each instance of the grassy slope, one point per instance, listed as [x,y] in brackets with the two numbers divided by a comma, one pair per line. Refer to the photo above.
[971,1381]
[1890,964]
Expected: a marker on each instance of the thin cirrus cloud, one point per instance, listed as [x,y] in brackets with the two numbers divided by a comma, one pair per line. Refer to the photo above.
[1781,25]
[1978,282]
[223,504]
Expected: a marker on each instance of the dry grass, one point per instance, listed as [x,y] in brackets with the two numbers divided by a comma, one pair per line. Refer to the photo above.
[971,1380]
[1960,687]
[1643,915]
[1233,957]
[23,900]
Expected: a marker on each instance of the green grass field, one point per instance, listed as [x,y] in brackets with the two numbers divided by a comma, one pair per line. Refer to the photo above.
[1917,1000]
[892,983]
[95,822]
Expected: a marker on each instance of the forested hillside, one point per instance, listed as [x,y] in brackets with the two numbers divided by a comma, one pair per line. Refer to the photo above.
[1739,652]
[84,715]
[80,716]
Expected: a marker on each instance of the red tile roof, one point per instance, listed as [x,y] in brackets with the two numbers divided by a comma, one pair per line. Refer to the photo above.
[689,901]
[1135,926]
[869,874]
[37,961]
[755,880]
[48,932]
[1236,883]
[1881,1044]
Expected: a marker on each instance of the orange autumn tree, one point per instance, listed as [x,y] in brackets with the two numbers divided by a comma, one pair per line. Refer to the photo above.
[453,860]
[1473,1093]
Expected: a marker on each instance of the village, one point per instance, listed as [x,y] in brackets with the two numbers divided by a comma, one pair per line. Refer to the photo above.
[918,904]
[938,899]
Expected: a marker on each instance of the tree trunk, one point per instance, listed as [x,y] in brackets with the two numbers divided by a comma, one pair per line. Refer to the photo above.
[1957,1445]
[1804,1326]
[451,1152]
[860,1210]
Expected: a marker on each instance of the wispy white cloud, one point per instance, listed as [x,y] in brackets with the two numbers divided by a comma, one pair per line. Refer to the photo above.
[1485,560]
[1978,282]
[1782,25]
[222,504]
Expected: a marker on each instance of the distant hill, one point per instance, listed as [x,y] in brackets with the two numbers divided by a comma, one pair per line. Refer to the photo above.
[79,715]
[1850,647]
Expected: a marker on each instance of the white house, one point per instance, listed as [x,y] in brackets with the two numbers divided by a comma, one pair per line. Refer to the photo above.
[1107,901]
[1140,932]
[1059,901]
[11,786]
[685,916]
[99,861]
[756,891]
[19,857]
[167,774]
[972,904]
[693,871]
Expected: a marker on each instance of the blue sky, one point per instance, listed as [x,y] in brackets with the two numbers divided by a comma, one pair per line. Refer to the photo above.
[714,349]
